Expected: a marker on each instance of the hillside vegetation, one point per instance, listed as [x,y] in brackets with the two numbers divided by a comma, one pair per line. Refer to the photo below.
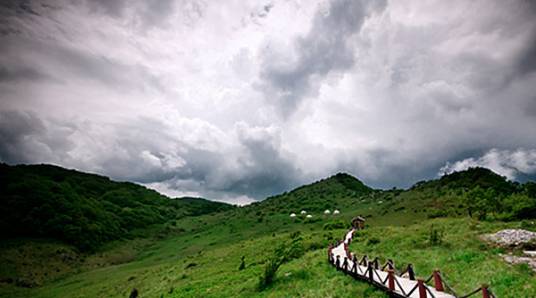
[83,209]
[245,251]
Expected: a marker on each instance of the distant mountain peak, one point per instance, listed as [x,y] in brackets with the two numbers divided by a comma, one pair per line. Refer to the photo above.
[350,182]
[469,178]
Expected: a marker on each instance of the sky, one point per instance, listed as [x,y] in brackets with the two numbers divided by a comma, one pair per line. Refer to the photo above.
[238,100]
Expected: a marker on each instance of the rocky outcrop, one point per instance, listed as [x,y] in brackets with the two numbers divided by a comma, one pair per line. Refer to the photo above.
[528,259]
[512,237]
[516,239]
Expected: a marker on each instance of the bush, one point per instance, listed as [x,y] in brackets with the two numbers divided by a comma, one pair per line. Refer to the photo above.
[282,254]
[242,263]
[438,213]
[334,225]
[373,241]
[435,237]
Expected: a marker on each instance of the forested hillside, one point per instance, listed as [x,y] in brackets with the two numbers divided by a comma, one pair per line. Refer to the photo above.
[82,209]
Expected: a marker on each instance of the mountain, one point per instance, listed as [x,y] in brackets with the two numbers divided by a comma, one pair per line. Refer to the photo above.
[82,209]
[470,178]
[335,192]
[224,251]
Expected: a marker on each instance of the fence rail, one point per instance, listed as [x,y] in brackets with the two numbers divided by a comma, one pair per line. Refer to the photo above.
[400,284]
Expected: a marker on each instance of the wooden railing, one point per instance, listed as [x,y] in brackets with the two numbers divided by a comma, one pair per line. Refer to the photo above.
[387,277]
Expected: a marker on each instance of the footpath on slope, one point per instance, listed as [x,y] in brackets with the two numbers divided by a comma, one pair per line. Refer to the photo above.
[402,284]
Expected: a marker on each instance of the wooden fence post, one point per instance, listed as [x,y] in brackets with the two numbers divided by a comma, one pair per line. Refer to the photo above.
[411,273]
[437,281]
[376,263]
[391,279]
[364,261]
[485,291]
[422,289]
[390,264]
[370,273]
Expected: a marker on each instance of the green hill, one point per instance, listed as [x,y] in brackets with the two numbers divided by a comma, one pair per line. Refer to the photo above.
[470,178]
[336,192]
[82,209]
[224,251]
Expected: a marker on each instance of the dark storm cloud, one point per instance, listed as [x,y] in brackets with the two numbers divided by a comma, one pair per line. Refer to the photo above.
[146,14]
[130,152]
[267,172]
[114,8]
[527,61]
[14,128]
[64,60]
[19,6]
[326,48]
[264,173]
[25,138]
[21,74]
[36,58]
[259,171]
[146,91]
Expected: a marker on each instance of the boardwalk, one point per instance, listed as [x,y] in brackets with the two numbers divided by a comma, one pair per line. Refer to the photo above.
[397,286]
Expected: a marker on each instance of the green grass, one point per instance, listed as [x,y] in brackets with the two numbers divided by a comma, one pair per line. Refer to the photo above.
[193,256]
[204,262]
[464,260]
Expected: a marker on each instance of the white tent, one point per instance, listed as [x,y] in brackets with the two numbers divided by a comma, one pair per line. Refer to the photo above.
[336,212]
[327,211]
[293,215]
[309,216]
[303,212]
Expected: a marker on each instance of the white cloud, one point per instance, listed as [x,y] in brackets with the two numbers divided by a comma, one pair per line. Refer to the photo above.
[247,98]
[509,163]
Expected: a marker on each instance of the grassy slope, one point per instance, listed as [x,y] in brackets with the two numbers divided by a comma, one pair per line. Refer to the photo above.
[464,260]
[215,243]
[167,268]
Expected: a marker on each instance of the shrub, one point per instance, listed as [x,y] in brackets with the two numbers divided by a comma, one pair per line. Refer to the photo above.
[438,213]
[242,263]
[373,241]
[282,254]
[435,237]
[334,225]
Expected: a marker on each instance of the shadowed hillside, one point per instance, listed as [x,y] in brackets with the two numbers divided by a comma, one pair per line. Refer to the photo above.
[82,209]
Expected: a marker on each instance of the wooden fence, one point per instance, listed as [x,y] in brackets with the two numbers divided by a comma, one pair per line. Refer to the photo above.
[397,283]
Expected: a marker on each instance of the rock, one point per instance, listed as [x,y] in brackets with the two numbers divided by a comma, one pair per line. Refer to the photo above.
[511,237]
[530,253]
[511,259]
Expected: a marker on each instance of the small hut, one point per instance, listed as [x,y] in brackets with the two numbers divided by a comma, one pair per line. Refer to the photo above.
[358,223]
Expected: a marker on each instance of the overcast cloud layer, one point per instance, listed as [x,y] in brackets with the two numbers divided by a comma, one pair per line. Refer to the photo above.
[238,100]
